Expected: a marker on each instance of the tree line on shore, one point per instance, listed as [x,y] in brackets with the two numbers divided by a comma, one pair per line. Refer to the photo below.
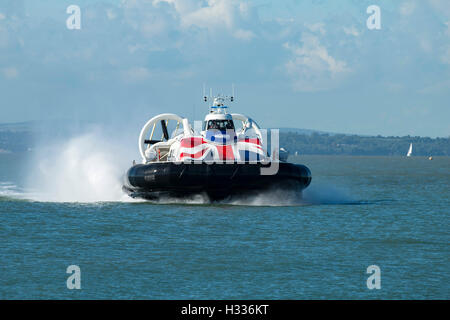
[341,144]
[303,143]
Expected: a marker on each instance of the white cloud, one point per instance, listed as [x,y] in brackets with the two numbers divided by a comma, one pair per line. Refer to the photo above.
[10,73]
[407,8]
[111,14]
[181,6]
[132,48]
[217,13]
[214,15]
[244,9]
[136,74]
[244,34]
[316,27]
[351,31]
[159,44]
[312,67]
[152,19]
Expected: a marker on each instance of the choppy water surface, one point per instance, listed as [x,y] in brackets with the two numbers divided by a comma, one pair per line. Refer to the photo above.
[359,211]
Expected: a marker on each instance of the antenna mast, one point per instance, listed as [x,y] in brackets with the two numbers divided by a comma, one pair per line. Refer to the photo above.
[232,92]
[205,98]
[219,97]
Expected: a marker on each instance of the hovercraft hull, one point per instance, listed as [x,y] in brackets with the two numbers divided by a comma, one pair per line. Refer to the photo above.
[218,181]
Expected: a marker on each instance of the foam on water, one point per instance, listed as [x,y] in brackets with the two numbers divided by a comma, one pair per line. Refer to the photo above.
[195,199]
[10,190]
[314,195]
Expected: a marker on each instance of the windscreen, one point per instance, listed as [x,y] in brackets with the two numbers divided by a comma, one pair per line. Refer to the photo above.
[221,125]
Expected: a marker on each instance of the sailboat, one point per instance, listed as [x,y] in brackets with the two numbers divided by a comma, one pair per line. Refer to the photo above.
[409,151]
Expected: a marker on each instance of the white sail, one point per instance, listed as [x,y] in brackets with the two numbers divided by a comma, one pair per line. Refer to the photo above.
[409,151]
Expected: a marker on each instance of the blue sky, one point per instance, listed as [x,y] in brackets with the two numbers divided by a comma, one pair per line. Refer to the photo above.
[307,64]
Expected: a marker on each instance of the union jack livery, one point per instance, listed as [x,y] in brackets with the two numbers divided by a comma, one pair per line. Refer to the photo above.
[225,154]
[197,148]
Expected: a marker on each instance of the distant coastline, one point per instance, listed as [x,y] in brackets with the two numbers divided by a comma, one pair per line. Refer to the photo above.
[356,145]
[19,137]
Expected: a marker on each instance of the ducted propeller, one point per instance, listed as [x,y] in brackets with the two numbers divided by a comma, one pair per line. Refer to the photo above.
[164,129]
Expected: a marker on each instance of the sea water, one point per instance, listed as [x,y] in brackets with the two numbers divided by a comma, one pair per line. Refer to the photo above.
[392,212]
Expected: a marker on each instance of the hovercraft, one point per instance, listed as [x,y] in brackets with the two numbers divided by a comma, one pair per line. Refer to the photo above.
[226,155]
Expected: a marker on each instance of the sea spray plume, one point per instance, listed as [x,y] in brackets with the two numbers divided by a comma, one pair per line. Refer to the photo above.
[84,168]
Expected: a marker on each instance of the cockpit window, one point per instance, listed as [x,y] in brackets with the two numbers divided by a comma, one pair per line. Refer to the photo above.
[221,125]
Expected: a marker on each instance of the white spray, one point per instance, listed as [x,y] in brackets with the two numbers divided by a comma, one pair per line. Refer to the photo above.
[87,168]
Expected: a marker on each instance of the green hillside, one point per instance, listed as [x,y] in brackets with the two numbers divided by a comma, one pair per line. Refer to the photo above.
[340,144]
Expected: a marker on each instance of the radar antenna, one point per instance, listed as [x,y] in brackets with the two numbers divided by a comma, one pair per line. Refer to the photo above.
[219,97]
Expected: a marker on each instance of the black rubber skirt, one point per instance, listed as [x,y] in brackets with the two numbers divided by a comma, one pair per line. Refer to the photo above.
[218,181]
